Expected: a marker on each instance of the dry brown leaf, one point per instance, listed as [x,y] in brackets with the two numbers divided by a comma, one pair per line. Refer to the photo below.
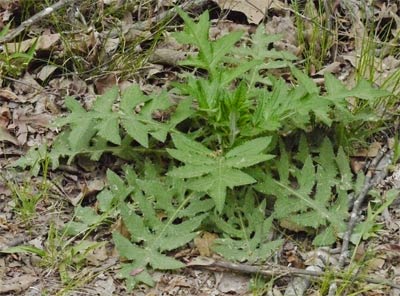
[233,283]
[6,136]
[17,284]
[372,150]
[36,120]
[331,68]
[254,9]
[8,95]
[203,243]
[357,165]
[26,85]
[104,83]
[46,71]
[6,4]
[5,116]
[44,42]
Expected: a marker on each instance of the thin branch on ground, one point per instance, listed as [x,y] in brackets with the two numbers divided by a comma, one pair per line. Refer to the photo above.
[320,258]
[145,25]
[274,270]
[376,173]
[34,19]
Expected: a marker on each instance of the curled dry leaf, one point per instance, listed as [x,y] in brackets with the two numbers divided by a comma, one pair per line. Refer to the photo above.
[8,95]
[167,56]
[17,284]
[46,71]
[369,152]
[44,42]
[253,9]
[26,85]
[74,86]
[284,26]
[233,283]
[204,242]
[5,116]
[6,136]
[104,83]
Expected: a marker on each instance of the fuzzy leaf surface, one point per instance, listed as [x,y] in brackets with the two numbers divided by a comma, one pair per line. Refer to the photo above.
[247,232]
[152,236]
[214,172]
[319,199]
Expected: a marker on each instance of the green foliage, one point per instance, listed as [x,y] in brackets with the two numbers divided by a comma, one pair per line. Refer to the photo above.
[314,33]
[211,149]
[226,109]
[164,217]
[246,231]
[245,111]
[91,131]
[13,61]
[370,227]
[86,218]
[34,158]
[214,172]
[60,254]
[28,195]
[257,50]
[319,198]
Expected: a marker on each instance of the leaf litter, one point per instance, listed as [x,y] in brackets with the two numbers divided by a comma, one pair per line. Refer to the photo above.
[32,100]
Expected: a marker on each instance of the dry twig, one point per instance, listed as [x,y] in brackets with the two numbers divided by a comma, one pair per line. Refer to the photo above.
[376,172]
[34,19]
[274,270]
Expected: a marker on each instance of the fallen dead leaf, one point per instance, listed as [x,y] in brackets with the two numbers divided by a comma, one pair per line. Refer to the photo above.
[46,71]
[284,26]
[6,136]
[331,68]
[8,95]
[105,287]
[44,42]
[253,9]
[26,85]
[369,152]
[104,83]
[17,284]
[36,120]
[203,243]
[233,283]
[5,115]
